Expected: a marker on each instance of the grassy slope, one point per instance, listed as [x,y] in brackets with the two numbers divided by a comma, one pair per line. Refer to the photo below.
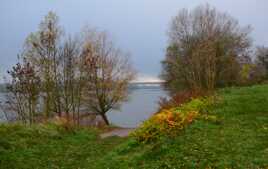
[50,147]
[240,140]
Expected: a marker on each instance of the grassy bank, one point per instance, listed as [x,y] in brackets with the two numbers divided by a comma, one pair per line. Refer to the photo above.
[51,147]
[239,139]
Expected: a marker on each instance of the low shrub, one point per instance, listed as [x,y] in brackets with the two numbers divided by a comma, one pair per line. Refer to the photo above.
[63,124]
[179,98]
[202,104]
[164,123]
[170,122]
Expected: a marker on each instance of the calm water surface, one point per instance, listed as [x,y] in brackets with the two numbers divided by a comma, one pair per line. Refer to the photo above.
[142,103]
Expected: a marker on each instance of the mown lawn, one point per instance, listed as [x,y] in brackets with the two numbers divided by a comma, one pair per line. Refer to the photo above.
[238,139]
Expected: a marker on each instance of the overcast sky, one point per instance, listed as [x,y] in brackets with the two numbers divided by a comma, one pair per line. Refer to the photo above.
[137,26]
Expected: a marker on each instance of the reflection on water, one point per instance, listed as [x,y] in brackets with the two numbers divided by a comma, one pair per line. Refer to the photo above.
[142,103]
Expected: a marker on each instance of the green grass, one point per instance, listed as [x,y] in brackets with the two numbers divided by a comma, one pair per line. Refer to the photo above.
[51,147]
[239,139]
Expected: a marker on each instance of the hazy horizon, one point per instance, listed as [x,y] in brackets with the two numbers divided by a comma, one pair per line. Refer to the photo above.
[138,27]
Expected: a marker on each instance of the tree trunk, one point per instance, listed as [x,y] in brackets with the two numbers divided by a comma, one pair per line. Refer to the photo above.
[105,119]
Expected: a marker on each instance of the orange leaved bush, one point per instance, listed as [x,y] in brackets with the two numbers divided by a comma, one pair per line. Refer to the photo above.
[180,98]
[170,122]
[165,123]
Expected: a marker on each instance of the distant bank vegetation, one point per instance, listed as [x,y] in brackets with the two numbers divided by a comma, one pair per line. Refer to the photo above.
[3,88]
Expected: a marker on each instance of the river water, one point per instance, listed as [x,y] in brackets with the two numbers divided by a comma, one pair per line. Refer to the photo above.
[142,103]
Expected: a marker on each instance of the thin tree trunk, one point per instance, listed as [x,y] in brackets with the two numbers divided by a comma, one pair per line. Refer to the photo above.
[105,119]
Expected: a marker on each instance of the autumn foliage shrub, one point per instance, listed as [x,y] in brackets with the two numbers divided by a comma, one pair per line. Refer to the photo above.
[179,98]
[165,123]
[170,122]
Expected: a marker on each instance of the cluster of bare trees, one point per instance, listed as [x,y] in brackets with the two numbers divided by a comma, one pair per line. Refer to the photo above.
[60,76]
[207,49]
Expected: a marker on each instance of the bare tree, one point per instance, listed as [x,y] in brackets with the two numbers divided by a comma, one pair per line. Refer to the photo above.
[72,78]
[42,50]
[24,92]
[204,50]
[108,73]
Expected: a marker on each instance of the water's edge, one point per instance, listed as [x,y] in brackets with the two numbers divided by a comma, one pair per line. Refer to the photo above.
[142,103]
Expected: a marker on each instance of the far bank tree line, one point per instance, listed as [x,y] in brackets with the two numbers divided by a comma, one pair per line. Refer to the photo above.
[64,76]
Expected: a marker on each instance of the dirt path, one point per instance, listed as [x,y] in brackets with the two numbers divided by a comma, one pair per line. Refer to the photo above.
[120,132]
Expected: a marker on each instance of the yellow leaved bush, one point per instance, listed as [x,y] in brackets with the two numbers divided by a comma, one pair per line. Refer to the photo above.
[170,122]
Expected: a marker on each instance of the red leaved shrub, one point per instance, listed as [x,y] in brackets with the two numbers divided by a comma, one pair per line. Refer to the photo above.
[179,98]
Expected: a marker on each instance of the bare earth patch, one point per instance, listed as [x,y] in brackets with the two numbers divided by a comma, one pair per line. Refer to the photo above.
[120,132]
